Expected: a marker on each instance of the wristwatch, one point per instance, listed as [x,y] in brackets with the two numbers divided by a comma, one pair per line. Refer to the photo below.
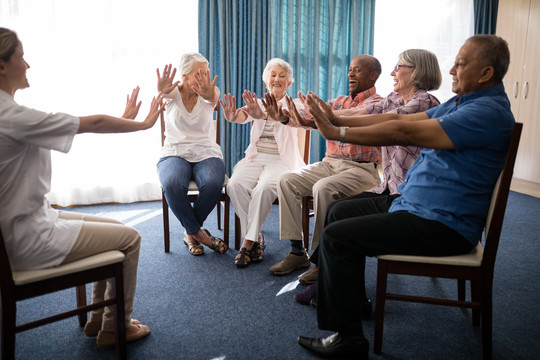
[342,132]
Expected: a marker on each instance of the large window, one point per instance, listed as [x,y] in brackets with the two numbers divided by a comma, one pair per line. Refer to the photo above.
[85,57]
[439,26]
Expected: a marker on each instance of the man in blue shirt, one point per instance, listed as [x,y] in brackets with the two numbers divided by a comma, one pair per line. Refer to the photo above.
[444,199]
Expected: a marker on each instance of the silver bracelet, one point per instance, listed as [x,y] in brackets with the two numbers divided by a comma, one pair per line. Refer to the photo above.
[342,133]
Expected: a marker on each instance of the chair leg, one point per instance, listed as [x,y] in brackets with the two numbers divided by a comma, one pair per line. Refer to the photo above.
[120,312]
[486,309]
[305,221]
[166,233]
[219,215]
[476,297]
[461,289]
[81,301]
[226,216]
[382,276]
[237,232]
[7,329]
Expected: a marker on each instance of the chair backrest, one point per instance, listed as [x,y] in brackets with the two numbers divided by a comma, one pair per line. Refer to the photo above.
[499,200]
[217,124]
[6,277]
[304,137]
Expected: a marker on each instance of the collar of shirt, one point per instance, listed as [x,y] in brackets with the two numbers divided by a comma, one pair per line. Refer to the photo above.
[490,91]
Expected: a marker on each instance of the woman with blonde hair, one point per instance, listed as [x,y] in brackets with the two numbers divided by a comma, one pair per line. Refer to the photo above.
[190,150]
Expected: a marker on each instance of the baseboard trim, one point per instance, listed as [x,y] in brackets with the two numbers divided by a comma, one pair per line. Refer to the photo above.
[525,187]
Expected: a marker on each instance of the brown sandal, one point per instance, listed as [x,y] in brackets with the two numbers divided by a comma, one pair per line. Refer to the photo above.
[243,258]
[195,247]
[218,245]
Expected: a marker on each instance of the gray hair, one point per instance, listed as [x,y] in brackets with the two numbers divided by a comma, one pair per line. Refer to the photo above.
[426,74]
[187,62]
[8,43]
[277,62]
[494,51]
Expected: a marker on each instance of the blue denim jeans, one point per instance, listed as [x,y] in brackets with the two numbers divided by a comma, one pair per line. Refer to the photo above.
[174,175]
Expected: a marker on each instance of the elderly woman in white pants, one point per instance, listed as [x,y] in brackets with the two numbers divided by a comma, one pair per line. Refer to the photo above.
[273,150]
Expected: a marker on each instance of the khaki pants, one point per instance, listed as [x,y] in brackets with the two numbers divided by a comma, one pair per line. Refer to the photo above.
[99,235]
[327,181]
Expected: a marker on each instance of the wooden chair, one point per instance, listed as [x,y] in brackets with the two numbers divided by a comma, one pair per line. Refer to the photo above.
[307,212]
[193,192]
[20,285]
[303,145]
[477,266]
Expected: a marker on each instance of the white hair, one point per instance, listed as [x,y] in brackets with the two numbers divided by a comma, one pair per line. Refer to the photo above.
[277,62]
[187,62]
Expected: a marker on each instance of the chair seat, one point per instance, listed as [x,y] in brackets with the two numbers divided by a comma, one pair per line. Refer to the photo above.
[474,258]
[30,276]
[193,186]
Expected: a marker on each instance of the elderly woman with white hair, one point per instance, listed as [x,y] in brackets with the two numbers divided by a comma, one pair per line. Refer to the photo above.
[273,150]
[190,150]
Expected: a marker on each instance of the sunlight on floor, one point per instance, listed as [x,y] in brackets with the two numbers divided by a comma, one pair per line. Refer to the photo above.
[289,287]
[136,215]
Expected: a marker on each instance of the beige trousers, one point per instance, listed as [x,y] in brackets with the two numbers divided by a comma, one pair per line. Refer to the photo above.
[252,189]
[99,235]
[327,181]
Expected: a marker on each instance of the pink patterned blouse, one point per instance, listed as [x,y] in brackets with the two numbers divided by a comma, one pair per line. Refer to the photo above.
[396,160]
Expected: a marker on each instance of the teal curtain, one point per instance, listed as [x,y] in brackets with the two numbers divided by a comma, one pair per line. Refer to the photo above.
[317,37]
[233,36]
[485,16]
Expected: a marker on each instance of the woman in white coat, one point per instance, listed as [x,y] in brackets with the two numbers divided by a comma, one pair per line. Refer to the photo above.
[273,150]
[36,235]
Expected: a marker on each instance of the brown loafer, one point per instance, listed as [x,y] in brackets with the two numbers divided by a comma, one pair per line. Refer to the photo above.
[107,338]
[290,263]
[310,276]
[243,258]
[92,328]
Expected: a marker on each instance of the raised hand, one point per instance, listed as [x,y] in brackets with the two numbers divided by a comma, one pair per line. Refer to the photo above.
[271,106]
[230,111]
[165,83]
[302,98]
[322,114]
[295,116]
[132,106]
[204,87]
[252,105]
[156,108]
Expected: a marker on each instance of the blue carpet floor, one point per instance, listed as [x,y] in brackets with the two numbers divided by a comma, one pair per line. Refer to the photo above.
[205,308]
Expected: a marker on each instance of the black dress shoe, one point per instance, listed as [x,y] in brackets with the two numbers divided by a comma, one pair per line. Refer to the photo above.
[337,346]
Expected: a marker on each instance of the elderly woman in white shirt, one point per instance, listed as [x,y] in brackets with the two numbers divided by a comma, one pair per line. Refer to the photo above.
[190,150]
[273,150]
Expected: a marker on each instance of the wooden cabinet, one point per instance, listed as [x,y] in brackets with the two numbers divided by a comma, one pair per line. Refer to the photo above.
[518,22]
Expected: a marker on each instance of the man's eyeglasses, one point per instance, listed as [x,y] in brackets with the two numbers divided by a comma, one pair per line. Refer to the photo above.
[396,69]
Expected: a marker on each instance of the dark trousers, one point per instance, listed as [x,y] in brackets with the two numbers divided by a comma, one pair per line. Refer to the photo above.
[360,227]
